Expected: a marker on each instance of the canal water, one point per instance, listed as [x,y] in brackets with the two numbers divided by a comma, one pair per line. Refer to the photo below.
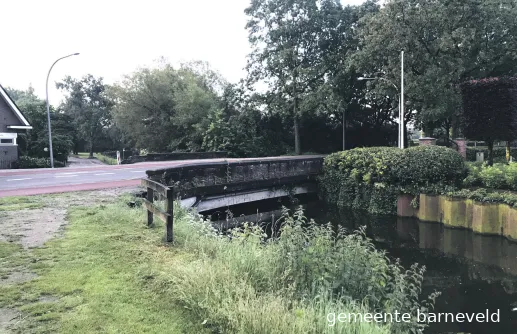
[474,273]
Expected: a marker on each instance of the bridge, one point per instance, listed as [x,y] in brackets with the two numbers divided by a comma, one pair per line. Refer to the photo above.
[207,186]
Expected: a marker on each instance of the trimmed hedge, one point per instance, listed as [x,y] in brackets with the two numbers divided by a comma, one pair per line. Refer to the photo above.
[371,178]
[30,162]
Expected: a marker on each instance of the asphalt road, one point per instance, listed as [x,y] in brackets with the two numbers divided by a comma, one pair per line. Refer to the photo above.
[79,176]
[84,174]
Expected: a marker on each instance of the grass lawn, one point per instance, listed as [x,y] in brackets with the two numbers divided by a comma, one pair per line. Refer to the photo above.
[95,279]
[98,156]
[104,271]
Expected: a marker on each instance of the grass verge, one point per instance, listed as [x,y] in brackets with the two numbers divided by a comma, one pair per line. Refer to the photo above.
[94,280]
[111,274]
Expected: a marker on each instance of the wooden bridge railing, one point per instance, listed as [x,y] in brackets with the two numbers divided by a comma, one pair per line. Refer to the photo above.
[161,192]
[223,177]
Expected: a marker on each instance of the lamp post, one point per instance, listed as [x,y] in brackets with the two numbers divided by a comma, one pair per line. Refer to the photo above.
[48,110]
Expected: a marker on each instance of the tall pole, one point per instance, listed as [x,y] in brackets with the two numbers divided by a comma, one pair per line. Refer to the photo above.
[48,110]
[402,99]
[344,125]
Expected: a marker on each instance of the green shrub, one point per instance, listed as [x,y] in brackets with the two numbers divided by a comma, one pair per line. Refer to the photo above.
[371,178]
[430,165]
[247,283]
[485,196]
[473,178]
[499,176]
[30,162]
[510,175]
[493,176]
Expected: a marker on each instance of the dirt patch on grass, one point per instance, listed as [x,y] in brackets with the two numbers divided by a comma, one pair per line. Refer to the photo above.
[7,318]
[31,228]
[17,277]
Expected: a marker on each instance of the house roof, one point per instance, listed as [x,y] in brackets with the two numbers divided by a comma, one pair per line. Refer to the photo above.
[15,110]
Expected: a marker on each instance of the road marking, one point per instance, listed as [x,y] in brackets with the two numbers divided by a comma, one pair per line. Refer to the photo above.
[105,174]
[72,173]
[138,171]
[29,178]
[65,175]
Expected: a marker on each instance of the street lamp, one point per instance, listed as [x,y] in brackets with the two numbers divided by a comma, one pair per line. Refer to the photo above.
[401,97]
[401,112]
[48,110]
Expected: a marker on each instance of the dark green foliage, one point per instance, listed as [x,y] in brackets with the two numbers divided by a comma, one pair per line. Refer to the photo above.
[88,104]
[490,110]
[498,153]
[30,162]
[371,178]
[33,142]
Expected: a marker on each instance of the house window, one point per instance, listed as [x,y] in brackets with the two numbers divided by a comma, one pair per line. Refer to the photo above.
[6,141]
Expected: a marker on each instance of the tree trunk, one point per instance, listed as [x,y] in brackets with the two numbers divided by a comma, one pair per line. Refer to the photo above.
[297,148]
[508,151]
[405,136]
[91,149]
[490,158]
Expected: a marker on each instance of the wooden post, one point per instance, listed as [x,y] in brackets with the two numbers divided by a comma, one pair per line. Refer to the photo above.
[169,208]
[150,198]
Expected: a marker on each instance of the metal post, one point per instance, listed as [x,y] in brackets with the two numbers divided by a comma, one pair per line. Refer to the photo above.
[48,111]
[344,125]
[402,99]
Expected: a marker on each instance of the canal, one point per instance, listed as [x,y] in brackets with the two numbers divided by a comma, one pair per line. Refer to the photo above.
[474,273]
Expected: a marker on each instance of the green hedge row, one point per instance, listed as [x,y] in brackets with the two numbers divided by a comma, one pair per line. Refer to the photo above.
[371,178]
[30,162]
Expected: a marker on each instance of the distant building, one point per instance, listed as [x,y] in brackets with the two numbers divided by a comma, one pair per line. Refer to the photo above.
[12,122]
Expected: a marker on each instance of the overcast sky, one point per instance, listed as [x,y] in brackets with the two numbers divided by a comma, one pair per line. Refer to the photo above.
[116,37]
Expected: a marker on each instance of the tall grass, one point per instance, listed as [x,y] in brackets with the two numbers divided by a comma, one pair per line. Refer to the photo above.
[245,282]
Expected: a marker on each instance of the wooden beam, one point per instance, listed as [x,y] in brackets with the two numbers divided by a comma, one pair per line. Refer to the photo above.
[155,210]
[150,199]
[158,187]
[169,207]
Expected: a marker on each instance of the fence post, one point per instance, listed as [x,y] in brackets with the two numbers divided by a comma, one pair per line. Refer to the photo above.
[150,198]
[169,208]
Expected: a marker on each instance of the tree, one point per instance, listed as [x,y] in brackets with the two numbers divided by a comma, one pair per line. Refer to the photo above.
[239,127]
[445,43]
[490,110]
[164,108]
[284,38]
[34,141]
[88,105]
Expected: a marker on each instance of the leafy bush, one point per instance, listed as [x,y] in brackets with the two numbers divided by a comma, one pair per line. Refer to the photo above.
[371,178]
[510,175]
[30,162]
[247,283]
[426,165]
[485,195]
[493,176]
[499,176]
[473,178]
